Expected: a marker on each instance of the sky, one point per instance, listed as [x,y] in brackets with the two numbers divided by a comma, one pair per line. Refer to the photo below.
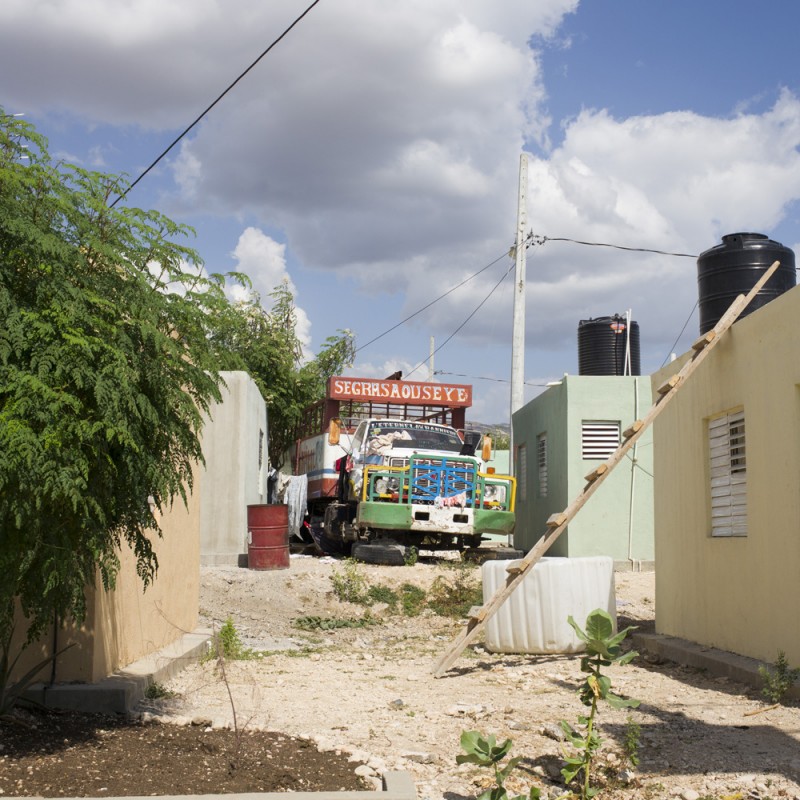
[371,158]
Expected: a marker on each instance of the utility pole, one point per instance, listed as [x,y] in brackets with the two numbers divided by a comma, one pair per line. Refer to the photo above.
[518,329]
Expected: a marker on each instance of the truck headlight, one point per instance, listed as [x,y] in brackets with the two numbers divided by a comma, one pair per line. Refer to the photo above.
[495,493]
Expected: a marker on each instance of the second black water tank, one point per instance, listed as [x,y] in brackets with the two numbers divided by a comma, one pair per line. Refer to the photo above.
[733,268]
[603,344]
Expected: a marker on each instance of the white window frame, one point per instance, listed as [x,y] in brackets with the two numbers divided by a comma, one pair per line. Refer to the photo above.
[599,439]
[727,455]
[541,463]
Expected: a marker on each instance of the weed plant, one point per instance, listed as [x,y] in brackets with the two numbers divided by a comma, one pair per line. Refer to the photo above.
[779,679]
[313,623]
[227,643]
[484,751]
[350,585]
[454,592]
[602,650]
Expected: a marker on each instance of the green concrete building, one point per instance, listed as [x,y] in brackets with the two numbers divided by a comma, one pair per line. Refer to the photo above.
[564,434]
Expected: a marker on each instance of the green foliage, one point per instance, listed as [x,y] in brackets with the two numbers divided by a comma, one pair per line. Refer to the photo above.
[265,343]
[411,557]
[630,745]
[602,650]
[453,593]
[313,623]
[350,585]
[157,691]
[378,593]
[227,644]
[484,751]
[778,679]
[107,365]
[412,599]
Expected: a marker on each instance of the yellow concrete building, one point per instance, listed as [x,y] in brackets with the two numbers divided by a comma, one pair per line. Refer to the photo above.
[727,491]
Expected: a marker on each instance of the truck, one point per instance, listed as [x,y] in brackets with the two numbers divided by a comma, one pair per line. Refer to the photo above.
[390,465]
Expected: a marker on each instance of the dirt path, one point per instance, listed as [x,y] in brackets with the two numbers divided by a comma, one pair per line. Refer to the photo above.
[369,691]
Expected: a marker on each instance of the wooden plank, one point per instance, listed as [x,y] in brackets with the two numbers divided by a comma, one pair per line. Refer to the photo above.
[517,575]
[669,384]
[634,427]
[704,340]
[555,520]
[596,473]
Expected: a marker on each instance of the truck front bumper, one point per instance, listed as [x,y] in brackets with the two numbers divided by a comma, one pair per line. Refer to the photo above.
[431,520]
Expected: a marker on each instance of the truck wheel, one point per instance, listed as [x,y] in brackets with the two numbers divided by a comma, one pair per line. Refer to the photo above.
[381,553]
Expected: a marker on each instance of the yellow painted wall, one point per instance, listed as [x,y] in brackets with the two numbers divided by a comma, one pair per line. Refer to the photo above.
[737,594]
[129,623]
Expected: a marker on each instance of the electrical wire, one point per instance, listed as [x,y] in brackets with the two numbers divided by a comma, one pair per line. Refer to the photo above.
[678,338]
[483,378]
[474,312]
[203,113]
[537,239]
[432,302]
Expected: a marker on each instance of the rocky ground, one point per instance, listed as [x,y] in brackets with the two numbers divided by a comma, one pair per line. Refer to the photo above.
[368,691]
[337,693]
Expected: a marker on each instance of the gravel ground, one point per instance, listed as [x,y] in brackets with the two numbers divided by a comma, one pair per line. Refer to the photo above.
[369,691]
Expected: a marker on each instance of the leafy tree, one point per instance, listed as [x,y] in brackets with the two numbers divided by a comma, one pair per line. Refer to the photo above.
[265,344]
[107,365]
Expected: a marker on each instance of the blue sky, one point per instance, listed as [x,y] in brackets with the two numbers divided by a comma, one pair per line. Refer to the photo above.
[371,158]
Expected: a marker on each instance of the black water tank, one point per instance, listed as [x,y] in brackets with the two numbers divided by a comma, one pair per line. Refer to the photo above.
[733,267]
[602,346]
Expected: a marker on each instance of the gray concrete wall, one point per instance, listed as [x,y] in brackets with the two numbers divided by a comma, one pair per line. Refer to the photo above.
[235,476]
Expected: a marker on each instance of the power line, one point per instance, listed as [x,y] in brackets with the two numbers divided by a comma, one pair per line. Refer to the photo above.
[475,311]
[678,338]
[538,239]
[202,114]
[432,302]
[483,378]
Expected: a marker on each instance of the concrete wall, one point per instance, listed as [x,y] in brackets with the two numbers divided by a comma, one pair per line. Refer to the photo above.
[235,450]
[128,623]
[618,520]
[738,594]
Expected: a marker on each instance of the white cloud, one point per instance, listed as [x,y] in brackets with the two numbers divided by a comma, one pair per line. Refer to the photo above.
[382,141]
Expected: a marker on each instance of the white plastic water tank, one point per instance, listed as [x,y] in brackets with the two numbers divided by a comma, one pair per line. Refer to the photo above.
[534,618]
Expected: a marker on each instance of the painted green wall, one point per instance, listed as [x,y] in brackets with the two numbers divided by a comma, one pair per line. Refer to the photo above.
[609,524]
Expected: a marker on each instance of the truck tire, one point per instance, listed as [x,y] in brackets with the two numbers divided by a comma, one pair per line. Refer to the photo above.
[381,553]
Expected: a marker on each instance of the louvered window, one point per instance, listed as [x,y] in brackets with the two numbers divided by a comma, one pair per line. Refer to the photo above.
[728,461]
[522,472]
[541,463]
[599,439]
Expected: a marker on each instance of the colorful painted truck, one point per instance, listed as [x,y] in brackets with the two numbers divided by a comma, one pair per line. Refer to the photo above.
[390,466]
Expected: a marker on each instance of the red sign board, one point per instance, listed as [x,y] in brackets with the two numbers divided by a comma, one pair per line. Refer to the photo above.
[447,395]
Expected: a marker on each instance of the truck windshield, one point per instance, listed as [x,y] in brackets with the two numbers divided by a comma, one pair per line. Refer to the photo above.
[418,436]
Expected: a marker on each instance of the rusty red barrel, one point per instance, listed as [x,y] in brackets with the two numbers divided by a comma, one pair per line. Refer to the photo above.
[268,536]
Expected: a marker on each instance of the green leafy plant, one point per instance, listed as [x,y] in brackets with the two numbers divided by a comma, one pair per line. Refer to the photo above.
[383,594]
[412,599]
[602,650]
[453,593]
[350,585]
[313,623]
[484,751]
[778,679]
[227,644]
[157,691]
[630,744]
[411,557]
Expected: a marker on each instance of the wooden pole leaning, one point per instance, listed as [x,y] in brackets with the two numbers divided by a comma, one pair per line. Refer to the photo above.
[557,524]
